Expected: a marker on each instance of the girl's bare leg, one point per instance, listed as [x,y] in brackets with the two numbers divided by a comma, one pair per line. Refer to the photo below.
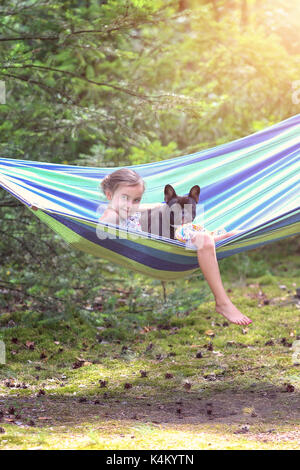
[206,252]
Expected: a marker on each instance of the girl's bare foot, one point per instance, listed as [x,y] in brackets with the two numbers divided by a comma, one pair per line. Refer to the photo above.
[229,311]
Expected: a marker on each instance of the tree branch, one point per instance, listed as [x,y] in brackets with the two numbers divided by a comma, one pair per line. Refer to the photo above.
[23,244]
[20,10]
[115,87]
[10,203]
[24,38]
[50,90]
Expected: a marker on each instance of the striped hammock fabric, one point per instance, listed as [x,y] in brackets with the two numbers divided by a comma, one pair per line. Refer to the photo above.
[251,184]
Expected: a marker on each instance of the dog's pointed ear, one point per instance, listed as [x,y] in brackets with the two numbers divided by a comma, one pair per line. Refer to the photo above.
[169,192]
[195,193]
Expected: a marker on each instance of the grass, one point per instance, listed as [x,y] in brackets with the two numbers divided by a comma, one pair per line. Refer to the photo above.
[243,393]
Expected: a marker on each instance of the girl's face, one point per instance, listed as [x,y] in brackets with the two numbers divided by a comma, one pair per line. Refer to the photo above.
[126,199]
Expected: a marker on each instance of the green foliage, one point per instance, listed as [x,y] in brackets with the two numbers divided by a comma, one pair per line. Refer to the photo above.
[124,75]
[123,82]
[152,152]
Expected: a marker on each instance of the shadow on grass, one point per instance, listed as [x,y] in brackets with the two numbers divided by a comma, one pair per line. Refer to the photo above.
[263,403]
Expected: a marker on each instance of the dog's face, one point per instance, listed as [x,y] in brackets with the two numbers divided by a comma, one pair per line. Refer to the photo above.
[182,208]
[177,210]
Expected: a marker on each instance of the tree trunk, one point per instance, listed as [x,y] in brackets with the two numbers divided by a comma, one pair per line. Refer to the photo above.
[183,5]
[216,10]
[244,14]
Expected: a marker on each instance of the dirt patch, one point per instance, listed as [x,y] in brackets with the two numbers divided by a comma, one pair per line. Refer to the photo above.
[270,412]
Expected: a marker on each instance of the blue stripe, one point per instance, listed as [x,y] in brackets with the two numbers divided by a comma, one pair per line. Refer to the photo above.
[145,255]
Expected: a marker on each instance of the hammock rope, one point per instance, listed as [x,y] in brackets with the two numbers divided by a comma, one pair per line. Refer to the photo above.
[251,184]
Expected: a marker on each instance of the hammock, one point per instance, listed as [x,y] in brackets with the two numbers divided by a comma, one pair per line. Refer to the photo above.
[250,184]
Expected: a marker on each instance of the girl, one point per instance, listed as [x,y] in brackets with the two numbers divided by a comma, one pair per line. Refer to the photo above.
[124,189]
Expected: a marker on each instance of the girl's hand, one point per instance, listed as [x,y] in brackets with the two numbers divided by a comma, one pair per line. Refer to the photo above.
[227,235]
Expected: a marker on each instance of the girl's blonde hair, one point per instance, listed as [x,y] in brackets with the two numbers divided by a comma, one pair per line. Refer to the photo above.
[123,176]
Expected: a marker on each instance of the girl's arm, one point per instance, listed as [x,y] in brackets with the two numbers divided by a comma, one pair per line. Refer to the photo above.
[109,216]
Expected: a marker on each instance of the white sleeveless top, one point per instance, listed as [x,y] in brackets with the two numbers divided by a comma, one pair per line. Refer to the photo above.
[133,222]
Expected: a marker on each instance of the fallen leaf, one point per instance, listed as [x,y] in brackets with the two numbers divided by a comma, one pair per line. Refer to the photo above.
[289,388]
[210,333]
[143,373]
[168,375]
[77,364]
[187,385]
[243,429]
